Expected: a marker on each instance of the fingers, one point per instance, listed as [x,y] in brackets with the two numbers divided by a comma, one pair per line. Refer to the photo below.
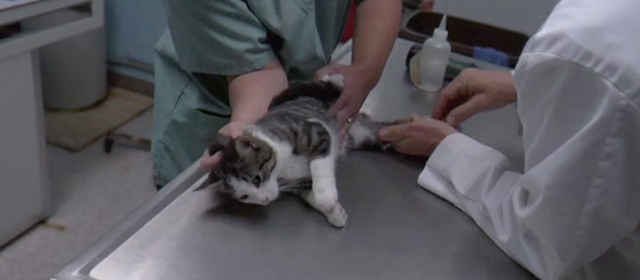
[465,111]
[344,132]
[404,147]
[338,107]
[447,98]
[411,118]
[394,133]
[233,129]
[415,117]
[208,162]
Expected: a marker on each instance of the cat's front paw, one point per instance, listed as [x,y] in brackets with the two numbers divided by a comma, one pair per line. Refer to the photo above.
[325,200]
[337,217]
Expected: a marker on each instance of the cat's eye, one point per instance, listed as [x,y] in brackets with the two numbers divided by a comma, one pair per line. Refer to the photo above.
[256,180]
[244,197]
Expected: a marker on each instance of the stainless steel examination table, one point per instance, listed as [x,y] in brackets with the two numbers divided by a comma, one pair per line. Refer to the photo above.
[396,229]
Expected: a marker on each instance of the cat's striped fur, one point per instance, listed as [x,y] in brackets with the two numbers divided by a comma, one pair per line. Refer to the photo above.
[293,147]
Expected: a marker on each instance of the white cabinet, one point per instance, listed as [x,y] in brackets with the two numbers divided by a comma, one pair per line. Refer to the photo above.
[24,191]
[24,182]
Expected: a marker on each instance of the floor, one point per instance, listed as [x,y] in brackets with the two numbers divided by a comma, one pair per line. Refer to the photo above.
[92,192]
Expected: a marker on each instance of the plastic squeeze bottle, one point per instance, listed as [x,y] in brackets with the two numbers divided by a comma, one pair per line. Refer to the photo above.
[434,58]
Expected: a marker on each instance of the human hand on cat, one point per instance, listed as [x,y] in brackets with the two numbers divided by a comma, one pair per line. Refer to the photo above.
[249,97]
[358,82]
[233,129]
[472,92]
[418,137]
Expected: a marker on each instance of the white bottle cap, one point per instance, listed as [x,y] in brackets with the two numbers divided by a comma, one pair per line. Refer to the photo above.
[441,33]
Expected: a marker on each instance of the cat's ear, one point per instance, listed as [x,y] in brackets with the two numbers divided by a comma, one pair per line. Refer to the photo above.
[244,145]
[221,142]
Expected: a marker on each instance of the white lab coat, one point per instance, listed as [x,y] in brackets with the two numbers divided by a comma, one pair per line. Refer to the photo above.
[574,212]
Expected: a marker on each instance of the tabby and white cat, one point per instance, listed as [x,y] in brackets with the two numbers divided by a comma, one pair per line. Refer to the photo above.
[293,148]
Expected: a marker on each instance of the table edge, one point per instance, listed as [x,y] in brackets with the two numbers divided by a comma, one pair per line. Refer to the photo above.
[82,265]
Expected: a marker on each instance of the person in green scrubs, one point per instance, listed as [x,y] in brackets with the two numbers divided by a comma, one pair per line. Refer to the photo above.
[221,62]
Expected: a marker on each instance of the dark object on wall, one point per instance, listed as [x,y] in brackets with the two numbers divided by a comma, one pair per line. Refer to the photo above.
[465,35]
[9,30]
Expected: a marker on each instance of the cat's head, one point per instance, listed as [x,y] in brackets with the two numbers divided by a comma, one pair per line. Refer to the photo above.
[246,169]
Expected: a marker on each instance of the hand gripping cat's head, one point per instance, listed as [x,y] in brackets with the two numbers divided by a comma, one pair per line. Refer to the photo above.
[246,169]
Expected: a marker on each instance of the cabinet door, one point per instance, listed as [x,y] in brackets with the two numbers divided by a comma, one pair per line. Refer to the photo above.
[24,193]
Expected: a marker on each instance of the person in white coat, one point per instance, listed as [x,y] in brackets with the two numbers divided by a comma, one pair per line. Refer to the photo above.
[573,213]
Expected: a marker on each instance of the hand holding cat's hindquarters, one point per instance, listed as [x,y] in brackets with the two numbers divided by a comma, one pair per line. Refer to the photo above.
[358,82]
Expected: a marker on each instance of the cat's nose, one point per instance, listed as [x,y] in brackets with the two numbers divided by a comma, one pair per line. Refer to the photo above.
[266,201]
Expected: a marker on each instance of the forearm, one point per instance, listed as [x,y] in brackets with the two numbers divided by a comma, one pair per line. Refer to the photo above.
[483,184]
[250,94]
[377,26]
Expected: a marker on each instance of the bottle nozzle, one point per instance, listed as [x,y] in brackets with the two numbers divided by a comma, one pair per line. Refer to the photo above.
[443,22]
[441,33]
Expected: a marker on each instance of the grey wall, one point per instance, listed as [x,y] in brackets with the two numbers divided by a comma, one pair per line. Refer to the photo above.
[133,28]
[524,16]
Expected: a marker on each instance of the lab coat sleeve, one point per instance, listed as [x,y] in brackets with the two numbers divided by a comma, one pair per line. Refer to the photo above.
[579,191]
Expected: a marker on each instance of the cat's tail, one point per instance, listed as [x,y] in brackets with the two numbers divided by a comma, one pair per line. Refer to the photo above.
[363,134]
[327,90]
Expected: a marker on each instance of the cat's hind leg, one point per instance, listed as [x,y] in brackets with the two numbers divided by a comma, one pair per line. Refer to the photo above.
[322,148]
[336,216]
[324,188]
[323,151]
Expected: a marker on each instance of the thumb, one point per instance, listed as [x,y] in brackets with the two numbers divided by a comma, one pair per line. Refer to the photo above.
[465,111]
[208,162]
[394,133]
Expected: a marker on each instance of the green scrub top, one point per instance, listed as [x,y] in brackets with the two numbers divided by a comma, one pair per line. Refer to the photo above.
[210,39]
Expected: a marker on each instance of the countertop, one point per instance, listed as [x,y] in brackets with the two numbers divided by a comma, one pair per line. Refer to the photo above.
[396,230]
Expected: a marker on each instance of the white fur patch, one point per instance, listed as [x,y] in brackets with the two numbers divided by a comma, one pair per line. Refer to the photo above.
[321,170]
[296,167]
[288,165]
[361,134]
[248,193]
[336,79]
[324,187]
